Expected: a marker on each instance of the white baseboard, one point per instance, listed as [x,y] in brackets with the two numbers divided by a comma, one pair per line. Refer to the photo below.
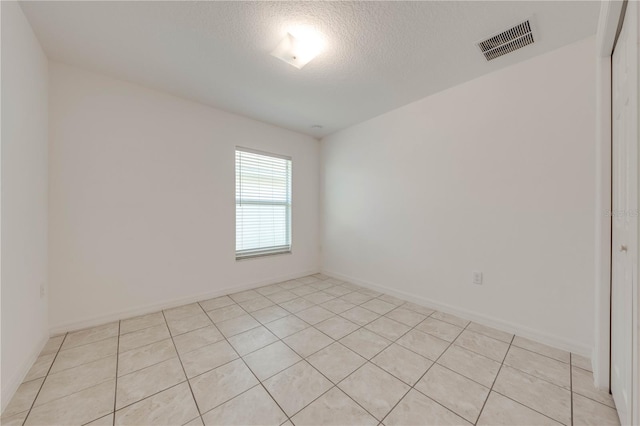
[517,329]
[10,385]
[154,307]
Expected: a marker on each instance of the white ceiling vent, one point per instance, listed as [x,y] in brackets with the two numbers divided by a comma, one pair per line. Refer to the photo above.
[507,41]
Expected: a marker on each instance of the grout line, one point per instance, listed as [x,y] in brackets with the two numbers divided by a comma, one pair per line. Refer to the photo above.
[351,289]
[45,378]
[182,365]
[424,374]
[494,380]
[115,395]
[571,385]
[249,368]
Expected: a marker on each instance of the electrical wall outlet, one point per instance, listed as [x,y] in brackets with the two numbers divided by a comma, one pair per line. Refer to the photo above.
[477,277]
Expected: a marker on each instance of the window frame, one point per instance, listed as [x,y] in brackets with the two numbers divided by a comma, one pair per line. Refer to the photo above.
[276,250]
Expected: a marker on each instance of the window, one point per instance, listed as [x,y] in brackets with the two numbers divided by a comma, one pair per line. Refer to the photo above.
[263,204]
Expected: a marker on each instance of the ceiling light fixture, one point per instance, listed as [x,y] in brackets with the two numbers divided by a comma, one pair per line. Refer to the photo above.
[299,46]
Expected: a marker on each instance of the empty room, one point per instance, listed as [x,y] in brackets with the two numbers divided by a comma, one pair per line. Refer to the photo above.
[319,213]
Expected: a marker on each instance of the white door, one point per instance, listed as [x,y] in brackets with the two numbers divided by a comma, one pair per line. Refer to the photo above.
[625,213]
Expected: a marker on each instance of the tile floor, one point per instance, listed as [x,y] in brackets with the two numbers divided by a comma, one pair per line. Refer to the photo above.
[314,350]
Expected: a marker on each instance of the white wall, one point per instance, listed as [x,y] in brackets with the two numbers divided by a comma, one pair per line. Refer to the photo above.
[496,175]
[142,190]
[24,197]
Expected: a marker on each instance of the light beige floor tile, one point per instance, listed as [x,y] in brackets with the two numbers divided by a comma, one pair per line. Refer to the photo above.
[451,319]
[14,420]
[286,326]
[320,276]
[356,298]
[90,335]
[581,362]
[102,421]
[337,306]
[78,408]
[52,345]
[195,422]
[83,354]
[254,407]
[143,383]
[281,296]
[297,386]
[243,296]
[216,302]
[417,409]
[459,394]
[290,284]
[321,285]
[309,279]
[237,325]
[143,337]
[269,314]
[336,361]
[369,292]
[174,406]
[307,341]
[271,359]
[222,384]
[483,345]
[502,411]
[145,356]
[73,380]
[207,358]
[196,339]
[582,383]
[388,328]
[182,311]
[418,308]
[141,322]
[226,313]
[589,412]
[303,290]
[360,315]
[23,398]
[406,316]
[319,297]
[41,367]
[314,315]
[537,394]
[540,366]
[297,305]
[337,291]
[252,340]
[378,306]
[541,349]
[256,304]
[391,299]
[334,408]
[365,343]
[337,327]
[402,363]
[269,289]
[470,364]
[491,332]
[440,329]
[424,344]
[374,389]
[186,324]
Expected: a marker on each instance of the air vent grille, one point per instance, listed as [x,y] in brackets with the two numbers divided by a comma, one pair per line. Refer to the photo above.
[507,41]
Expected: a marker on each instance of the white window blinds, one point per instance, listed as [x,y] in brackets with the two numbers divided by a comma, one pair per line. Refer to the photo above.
[263,204]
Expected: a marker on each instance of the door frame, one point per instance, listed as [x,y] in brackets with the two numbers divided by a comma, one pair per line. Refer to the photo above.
[610,20]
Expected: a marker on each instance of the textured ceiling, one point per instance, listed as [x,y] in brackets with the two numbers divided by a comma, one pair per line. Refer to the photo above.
[378,56]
